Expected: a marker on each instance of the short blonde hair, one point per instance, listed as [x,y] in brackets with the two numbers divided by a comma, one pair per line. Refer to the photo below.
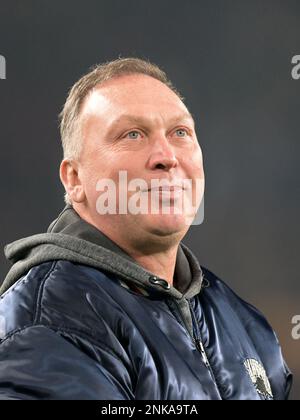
[70,123]
[70,127]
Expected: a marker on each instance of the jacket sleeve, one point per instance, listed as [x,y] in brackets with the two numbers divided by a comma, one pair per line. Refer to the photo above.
[40,363]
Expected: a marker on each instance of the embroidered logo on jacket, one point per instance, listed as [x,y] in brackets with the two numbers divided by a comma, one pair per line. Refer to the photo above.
[259,377]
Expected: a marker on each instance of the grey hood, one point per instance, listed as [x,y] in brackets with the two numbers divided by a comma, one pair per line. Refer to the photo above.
[71,238]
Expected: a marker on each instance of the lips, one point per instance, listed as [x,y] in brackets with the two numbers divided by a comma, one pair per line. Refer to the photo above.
[168,189]
[167,186]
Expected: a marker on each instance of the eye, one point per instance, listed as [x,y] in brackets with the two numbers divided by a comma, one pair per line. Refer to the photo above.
[181,132]
[133,135]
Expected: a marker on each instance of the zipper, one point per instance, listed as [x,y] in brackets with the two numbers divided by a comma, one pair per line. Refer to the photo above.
[196,338]
[200,346]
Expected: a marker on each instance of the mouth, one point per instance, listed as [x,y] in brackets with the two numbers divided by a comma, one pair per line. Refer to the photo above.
[169,194]
[166,189]
[165,186]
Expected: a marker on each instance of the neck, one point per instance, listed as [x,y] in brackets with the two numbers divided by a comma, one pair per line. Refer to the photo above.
[154,253]
[162,264]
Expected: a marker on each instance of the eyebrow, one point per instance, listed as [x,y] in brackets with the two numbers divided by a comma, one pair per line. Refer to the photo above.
[144,120]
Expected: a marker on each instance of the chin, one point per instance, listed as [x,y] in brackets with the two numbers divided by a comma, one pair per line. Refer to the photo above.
[165,225]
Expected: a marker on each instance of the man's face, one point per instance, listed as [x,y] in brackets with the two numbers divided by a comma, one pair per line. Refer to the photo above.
[138,125]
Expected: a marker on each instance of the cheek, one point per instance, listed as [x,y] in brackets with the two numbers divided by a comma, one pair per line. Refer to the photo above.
[103,172]
[194,164]
[89,181]
[91,171]
[198,160]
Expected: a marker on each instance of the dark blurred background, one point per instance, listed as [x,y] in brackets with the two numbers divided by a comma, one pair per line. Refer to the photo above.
[231,59]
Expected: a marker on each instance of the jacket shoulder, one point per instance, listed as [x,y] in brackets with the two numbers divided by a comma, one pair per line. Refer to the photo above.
[18,304]
[242,319]
[46,295]
[246,310]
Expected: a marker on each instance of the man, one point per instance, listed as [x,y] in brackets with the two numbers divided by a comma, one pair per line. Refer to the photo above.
[109,304]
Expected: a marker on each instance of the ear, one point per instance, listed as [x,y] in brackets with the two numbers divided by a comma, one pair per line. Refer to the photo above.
[69,176]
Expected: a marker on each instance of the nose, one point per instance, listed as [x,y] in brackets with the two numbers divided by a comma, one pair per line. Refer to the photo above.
[162,155]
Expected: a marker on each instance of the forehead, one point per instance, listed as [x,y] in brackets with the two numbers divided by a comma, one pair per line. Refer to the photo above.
[133,94]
